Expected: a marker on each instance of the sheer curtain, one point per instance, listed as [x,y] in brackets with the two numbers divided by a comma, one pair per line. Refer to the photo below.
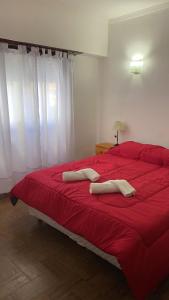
[36,112]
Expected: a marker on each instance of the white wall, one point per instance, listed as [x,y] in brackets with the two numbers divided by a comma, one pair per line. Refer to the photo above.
[141,101]
[54,23]
[87,99]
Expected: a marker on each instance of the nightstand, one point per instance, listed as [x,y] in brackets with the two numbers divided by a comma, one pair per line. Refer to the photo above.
[103,147]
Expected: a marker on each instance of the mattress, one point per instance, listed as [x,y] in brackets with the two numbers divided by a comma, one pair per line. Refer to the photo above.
[134,230]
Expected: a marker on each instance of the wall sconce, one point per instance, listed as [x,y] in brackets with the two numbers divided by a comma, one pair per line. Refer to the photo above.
[136,64]
[119,127]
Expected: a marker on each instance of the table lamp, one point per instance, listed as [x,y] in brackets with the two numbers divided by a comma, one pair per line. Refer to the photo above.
[119,127]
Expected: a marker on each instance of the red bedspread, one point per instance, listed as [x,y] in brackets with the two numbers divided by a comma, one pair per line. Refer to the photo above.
[135,230]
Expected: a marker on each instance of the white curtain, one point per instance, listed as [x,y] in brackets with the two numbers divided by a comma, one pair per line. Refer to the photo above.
[36,112]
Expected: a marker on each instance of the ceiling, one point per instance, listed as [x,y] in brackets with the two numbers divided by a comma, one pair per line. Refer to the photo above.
[108,9]
[80,25]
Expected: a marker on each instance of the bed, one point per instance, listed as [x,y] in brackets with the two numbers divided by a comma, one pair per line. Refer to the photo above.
[131,233]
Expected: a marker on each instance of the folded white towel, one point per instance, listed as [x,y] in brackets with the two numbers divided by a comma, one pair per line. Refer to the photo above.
[125,188]
[83,174]
[91,174]
[73,176]
[103,188]
[113,186]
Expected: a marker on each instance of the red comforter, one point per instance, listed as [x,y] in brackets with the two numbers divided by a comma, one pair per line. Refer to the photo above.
[135,230]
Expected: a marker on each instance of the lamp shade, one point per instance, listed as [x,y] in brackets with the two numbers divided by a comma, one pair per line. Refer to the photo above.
[120,126]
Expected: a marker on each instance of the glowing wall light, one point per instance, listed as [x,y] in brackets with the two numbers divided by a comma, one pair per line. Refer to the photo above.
[136,64]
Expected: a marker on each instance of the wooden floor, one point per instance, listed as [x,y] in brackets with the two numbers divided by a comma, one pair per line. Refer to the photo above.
[39,263]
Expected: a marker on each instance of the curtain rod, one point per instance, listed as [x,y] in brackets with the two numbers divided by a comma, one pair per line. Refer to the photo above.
[29,45]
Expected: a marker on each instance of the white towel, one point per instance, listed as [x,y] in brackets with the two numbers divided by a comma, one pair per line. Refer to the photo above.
[73,176]
[104,187]
[125,188]
[113,186]
[83,174]
[91,174]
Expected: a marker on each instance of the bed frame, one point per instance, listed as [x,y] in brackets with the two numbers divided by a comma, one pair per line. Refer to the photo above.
[77,238]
